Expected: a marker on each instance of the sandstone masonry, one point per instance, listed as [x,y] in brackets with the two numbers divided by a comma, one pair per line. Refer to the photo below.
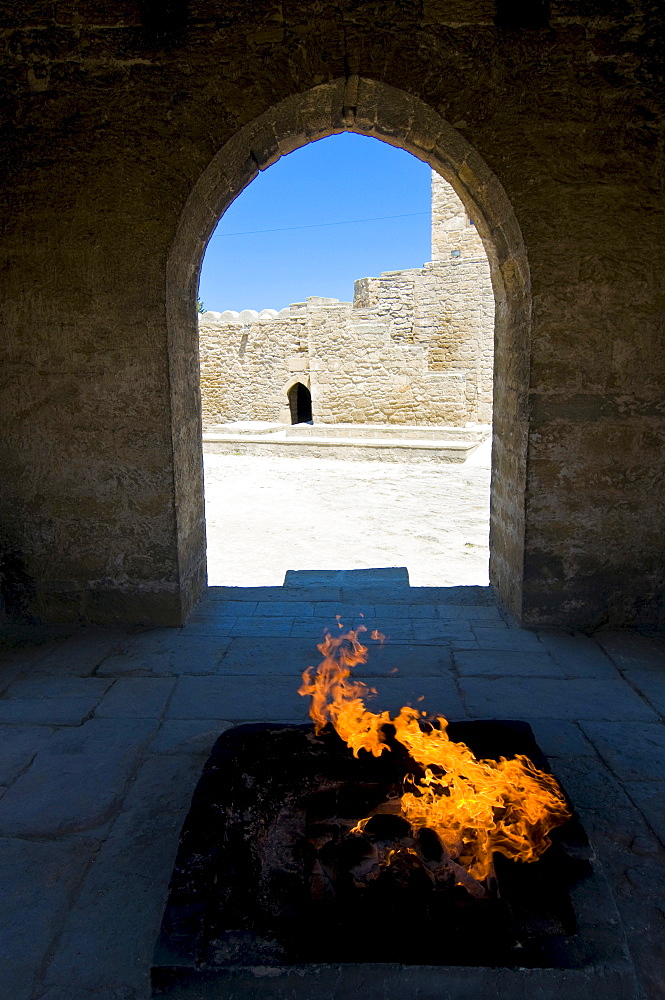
[414,347]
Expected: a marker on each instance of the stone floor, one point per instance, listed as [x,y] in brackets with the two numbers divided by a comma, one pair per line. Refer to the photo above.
[105,732]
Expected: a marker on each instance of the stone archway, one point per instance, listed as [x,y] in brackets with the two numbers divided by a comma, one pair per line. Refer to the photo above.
[374,109]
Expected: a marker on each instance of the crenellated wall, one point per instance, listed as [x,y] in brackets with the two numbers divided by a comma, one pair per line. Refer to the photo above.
[414,347]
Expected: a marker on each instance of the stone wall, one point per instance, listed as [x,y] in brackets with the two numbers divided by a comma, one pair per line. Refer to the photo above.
[127,131]
[415,347]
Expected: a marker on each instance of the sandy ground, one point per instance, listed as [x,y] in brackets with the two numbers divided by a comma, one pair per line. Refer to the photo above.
[267,515]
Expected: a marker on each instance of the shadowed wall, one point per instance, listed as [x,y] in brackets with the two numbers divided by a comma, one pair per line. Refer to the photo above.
[118,123]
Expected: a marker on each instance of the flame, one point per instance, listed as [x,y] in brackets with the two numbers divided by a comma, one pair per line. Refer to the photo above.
[476,807]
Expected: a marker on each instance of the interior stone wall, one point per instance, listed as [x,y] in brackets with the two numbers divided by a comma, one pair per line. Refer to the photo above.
[415,347]
[127,128]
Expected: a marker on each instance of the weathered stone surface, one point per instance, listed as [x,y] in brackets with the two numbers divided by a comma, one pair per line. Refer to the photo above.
[180,736]
[136,698]
[650,684]
[196,654]
[56,701]
[76,781]
[505,663]
[649,797]
[253,655]
[253,697]
[18,746]
[543,697]
[630,649]
[560,739]
[590,784]
[38,881]
[634,751]
[578,655]
[117,914]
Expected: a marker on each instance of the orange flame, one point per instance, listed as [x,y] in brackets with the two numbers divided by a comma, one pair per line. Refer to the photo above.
[476,807]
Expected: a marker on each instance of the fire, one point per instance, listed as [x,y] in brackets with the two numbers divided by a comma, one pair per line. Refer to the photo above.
[475,807]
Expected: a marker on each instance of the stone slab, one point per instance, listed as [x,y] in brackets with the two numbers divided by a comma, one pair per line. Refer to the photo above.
[281,655]
[391,576]
[212,627]
[42,712]
[254,697]
[630,649]
[206,609]
[136,698]
[560,739]
[649,797]
[38,881]
[77,781]
[579,655]
[506,663]
[294,609]
[18,746]
[54,688]
[549,698]
[110,930]
[275,626]
[634,751]
[590,784]
[82,652]
[197,654]
[650,684]
[180,736]
[513,639]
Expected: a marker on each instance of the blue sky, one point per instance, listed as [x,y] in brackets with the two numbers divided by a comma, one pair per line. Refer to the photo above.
[343,178]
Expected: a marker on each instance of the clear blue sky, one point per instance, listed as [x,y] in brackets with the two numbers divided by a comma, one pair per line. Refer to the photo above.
[340,179]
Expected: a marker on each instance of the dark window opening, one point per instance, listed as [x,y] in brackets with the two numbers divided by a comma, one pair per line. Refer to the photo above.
[300,404]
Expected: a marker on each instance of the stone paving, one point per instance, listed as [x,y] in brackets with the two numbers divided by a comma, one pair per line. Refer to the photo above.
[105,732]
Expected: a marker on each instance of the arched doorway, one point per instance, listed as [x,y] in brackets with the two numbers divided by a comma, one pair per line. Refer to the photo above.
[370,108]
[300,404]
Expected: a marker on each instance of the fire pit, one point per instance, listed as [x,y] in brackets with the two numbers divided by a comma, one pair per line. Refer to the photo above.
[299,859]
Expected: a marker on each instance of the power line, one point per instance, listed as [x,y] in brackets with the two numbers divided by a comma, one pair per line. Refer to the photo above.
[321,225]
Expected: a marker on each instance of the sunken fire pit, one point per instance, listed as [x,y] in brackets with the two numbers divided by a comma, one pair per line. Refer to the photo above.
[278,891]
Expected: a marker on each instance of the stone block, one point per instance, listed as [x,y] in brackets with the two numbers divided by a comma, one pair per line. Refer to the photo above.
[631,650]
[256,655]
[579,655]
[557,738]
[276,626]
[292,609]
[505,663]
[388,659]
[549,698]
[428,631]
[193,654]
[649,797]
[38,883]
[212,627]
[239,699]
[513,639]
[77,781]
[634,751]
[589,783]
[59,710]
[187,736]
[136,698]
[18,746]
[116,916]
[650,684]
[82,652]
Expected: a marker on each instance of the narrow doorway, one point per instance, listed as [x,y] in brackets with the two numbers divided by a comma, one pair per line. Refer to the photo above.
[300,404]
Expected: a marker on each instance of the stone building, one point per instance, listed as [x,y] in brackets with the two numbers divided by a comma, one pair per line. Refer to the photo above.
[415,347]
